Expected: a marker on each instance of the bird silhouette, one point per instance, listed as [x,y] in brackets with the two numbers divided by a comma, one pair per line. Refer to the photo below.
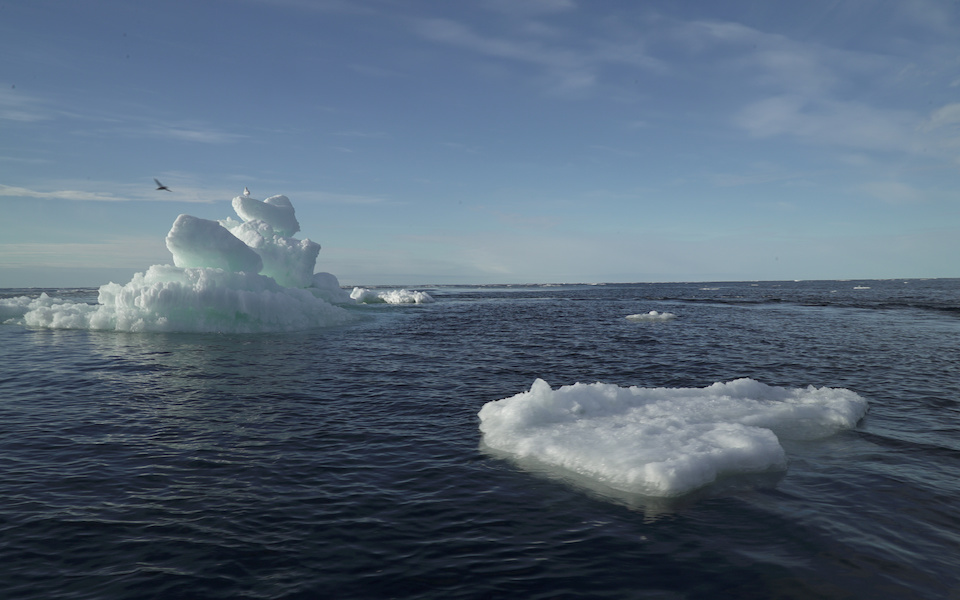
[246,192]
[160,186]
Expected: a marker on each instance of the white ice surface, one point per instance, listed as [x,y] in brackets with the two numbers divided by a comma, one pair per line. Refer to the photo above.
[168,298]
[288,260]
[664,441]
[368,296]
[652,316]
[197,242]
[275,211]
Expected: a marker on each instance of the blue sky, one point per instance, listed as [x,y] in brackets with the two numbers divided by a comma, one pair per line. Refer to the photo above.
[488,141]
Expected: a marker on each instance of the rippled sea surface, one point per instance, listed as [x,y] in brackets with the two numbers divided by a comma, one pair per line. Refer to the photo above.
[346,463]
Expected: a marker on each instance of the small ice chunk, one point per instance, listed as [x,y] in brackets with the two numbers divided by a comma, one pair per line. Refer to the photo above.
[652,316]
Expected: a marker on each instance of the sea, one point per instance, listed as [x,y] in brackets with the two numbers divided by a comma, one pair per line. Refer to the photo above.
[348,461]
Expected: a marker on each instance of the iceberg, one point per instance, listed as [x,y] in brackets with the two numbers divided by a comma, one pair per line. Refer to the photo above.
[227,276]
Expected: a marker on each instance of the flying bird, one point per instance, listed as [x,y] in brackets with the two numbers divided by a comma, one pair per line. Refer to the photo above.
[160,186]
[246,192]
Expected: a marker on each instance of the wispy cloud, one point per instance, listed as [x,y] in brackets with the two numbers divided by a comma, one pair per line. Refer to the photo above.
[16,105]
[182,186]
[189,133]
[26,108]
[816,93]
[19,192]
[833,122]
[945,121]
[893,192]
[565,64]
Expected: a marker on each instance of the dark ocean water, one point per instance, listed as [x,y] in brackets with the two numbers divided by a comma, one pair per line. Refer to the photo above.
[346,462]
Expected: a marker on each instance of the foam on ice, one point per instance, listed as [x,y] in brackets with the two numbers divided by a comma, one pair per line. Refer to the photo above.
[663,442]
[228,276]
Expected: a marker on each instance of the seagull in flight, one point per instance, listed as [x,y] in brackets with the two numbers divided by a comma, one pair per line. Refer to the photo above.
[160,186]
[246,192]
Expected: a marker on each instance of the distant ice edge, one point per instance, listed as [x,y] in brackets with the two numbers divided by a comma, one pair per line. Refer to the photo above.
[228,276]
[663,442]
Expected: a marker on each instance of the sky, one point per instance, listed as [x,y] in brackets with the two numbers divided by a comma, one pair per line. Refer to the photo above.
[488,141]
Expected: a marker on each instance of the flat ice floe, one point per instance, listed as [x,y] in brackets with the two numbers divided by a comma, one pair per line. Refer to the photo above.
[663,442]
[652,316]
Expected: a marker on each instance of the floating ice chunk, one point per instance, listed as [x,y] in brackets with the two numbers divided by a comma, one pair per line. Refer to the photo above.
[367,296]
[168,298]
[276,211]
[201,243]
[652,316]
[666,441]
